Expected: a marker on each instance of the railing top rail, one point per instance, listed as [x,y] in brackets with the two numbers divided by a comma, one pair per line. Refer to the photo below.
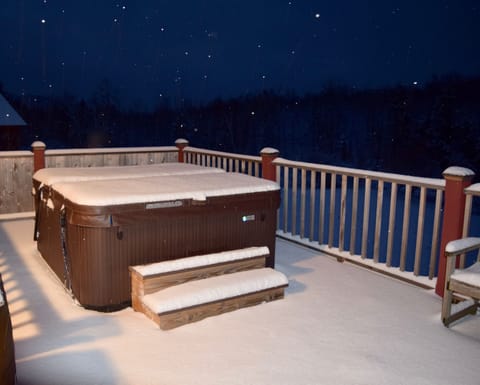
[473,189]
[223,154]
[12,154]
[112,150]
[435,183]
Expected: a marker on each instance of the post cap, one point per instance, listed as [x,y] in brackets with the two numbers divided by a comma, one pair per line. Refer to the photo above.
[38,145]
[182,142]
[269,151]
[459,172]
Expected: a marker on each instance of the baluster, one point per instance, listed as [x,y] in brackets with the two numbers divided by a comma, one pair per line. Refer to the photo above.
[303,188]
[353,225]
[366,212]
[331,222]
[285,198]
[420,226]
[378,222]
[321,208]
[313,192]
[294,200]
[343,214]
[406,224]
[391,222]
[435,233]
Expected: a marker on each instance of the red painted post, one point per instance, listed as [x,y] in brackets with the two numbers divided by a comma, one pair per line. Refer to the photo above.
[269,170]
[456,180]
[38,149]
[181,144]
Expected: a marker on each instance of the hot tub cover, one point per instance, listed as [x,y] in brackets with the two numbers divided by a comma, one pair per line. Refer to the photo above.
[161,189]
[51,176]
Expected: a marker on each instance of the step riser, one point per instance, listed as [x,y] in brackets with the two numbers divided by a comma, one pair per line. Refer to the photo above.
[167,321]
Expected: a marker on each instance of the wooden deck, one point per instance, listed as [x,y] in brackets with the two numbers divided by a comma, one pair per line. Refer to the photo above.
[338,324]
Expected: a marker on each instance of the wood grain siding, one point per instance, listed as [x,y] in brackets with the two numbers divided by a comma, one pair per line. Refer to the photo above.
[16,176]
[16,168]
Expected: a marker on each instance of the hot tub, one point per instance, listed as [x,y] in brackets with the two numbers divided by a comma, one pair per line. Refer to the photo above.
[105,226]
[47,221]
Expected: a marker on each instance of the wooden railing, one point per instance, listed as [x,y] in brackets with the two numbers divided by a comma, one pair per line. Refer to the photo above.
[392,223]
[389,222]
[244,164]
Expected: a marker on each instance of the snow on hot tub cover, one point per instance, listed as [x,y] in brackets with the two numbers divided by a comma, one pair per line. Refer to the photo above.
[197,187]
[51,176]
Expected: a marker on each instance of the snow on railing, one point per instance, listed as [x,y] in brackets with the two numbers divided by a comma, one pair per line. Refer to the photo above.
[359,213]
[385,221]
[244,164]
[389,222]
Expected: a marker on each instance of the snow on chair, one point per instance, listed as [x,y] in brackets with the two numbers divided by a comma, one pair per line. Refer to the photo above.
[460,282]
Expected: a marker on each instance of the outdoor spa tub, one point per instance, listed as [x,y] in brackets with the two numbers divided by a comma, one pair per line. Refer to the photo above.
[48,227]
[91,231]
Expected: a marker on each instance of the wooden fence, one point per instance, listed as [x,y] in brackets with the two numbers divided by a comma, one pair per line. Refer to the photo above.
[17,167]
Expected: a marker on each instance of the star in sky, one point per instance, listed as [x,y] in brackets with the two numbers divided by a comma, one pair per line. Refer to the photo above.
[204,50]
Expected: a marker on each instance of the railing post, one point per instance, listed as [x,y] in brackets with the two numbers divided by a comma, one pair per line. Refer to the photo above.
[456,180]
[181,144]
[268,168]
[38,149]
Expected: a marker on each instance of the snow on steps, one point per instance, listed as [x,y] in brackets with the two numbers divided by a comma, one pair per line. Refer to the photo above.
[173,293]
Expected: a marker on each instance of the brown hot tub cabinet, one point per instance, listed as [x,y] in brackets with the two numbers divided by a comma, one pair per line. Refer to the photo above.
[106,226]
[47,215]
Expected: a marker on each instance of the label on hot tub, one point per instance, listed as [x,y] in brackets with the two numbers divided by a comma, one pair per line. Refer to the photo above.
[163,205]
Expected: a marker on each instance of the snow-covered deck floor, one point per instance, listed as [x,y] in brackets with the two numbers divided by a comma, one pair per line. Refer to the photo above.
[338,324]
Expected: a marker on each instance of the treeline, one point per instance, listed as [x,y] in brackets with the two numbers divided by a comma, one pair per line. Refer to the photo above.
[410,130]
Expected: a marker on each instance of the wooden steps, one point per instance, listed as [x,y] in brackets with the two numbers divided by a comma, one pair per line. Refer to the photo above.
[173,293]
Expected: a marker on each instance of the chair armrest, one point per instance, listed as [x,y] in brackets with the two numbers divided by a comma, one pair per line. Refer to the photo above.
[460,246]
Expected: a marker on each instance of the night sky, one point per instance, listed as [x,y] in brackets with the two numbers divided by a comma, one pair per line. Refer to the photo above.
[154,50]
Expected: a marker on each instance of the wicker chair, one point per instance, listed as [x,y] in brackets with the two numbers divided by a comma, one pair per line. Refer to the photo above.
[460,283]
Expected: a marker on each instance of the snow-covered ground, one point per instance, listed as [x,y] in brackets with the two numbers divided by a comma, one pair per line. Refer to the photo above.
[338,324]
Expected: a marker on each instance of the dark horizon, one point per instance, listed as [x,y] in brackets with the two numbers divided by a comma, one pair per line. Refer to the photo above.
[415,129]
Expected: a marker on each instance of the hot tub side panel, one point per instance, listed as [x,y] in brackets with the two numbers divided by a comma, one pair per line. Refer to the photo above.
[98,257]
[49,234]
